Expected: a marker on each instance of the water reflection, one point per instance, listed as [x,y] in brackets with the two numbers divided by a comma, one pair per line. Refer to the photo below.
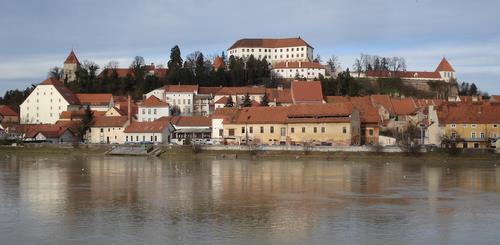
[74,200]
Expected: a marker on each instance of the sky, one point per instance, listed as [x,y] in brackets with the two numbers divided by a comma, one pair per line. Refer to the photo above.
[36,35]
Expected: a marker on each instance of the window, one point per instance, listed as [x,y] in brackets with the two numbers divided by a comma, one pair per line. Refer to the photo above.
[154,111]
[126,138]
[303,129]
[242,130]
[481,135]
[102,130]
[476,145]
[344,130]
[261,130]
[231,132]
[292,130]
[370,132]
[137,138]
[323,129]
[464,126]
[473,126]
[454,135]
[283,132]
[473,135]
[149,111]
[495,125]
[221,132]
[156,138]
[271,129]
[250,130]
[453,126]
[315,129]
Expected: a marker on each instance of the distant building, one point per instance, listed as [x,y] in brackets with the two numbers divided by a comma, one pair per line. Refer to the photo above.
[274,50]
[8,115]
[152,108]
[71,67]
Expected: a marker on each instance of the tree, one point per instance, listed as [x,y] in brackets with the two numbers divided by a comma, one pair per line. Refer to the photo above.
[246,101]
[200,70]
[85,125]
[265,100]
[56,72]
[334,65]
[229,102]
[175,110]
[174,65]
[473,89]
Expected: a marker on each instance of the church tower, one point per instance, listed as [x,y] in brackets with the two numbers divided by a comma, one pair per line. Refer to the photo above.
[445,70]
[71,65]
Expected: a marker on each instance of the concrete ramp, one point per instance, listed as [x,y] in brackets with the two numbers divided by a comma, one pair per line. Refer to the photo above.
[135,151]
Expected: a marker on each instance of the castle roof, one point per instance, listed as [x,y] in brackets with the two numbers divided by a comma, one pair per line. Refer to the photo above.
[444,65]
[269,43]
[71,59]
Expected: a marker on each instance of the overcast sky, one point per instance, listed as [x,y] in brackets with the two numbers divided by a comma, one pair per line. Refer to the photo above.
[37,35]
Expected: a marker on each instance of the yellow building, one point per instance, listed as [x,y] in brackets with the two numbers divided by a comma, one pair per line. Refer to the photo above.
[322,124]
[470,125]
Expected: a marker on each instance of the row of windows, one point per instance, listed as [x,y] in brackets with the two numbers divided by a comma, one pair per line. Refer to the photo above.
[268,50]
[472,126]
[297,70]
[178,101]
[143,139]
[276,56]
[149,111]
[473,135]
[283,130]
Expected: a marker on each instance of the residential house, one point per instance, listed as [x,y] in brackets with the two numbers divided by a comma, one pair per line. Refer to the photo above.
[107,129]
[59,132]
[152,108]
[158,131]
[189,129]
[299,69]
[96,102]
[8,115]
[181,96]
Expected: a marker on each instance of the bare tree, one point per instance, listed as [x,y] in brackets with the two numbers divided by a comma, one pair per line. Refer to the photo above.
[334,65]
[56,72]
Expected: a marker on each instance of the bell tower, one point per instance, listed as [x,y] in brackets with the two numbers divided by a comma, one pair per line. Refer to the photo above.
[71,65]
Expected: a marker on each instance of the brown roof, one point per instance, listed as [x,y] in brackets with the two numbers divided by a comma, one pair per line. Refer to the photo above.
[6,111]
[405,74]
[194,121]
[314,65]
[71,59]
[51,130]
[279,95]
[367,112]
[306,113]
[208,90]
[241,90]
[495,98]
[444,65]
[484,113]
[181,88]
[94,99]
[218,63]
[153,101]
[123,106]
[222,100]
[79,114]
[404,106]
[123,72]
[337,99]
[269,43]
[147,127]
[68,95]
[383,100]
[307,92]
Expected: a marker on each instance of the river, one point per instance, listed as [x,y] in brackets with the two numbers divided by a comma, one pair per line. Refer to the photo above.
[71,199]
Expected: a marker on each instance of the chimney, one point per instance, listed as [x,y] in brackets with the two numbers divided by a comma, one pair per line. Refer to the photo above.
[300,64]
[286,64]
[129,110]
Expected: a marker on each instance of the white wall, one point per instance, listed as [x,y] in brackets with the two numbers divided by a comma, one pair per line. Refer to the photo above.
[43,105]
[100,135]
[148,114]
[291,72]
[275,55]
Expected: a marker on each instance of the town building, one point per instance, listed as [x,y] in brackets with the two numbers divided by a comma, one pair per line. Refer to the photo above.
[152,108]
[46,102]
[180,96]
[70,67]
[158,131]
[193,129]
[306,92]
[150,70]
[273,50]
[321,124]
[96,102]
[107,130]
[8,115]
[299,70]
[59,132]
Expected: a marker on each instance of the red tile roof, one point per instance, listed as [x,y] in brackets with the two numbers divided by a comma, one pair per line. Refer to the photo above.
[102,121]
[484,113]
[71,59]
[307,92]
[51,130]
[6,111]
[218,63]
[181,88]
[95,99]
[68,95]
[383,100]
[313,65]
[269,43]
[79,114]
[147,127]
[444,65]
[241,90]
[222,100]
[194,121]
[208,90]
[123,106]
[153,101]
[404,106]
[337,99]
[283,96]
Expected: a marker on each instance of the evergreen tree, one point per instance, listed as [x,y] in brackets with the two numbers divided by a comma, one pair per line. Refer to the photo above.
[265,100]
[175,65]
[229,102]
[473,89]
[85,125]
[246,101]
[200,70]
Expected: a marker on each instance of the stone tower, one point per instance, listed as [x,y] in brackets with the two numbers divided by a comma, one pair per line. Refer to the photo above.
[71,65]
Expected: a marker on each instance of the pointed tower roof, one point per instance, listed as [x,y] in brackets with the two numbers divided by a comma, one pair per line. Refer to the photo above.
[218,62]
[444,66]
[71,59]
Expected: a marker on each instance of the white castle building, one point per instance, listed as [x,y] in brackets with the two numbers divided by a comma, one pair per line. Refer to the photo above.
[274,50]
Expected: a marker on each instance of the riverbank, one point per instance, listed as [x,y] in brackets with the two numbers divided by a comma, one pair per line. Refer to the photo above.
[169,152]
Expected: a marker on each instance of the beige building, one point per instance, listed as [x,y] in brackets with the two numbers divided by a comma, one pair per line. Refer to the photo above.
[107,130]
[70,67]
[324,124]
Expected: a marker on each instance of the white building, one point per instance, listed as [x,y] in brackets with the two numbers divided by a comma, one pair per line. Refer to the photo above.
[299,69]
[96,102]
[109,130]
[46,102]
[181,96]
[156,132]
[274,50]
[152,108]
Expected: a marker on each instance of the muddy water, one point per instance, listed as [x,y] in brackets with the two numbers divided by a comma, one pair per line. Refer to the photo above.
[113,200]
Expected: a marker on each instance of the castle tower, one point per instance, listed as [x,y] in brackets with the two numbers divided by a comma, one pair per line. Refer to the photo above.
[445,70]
[71,65]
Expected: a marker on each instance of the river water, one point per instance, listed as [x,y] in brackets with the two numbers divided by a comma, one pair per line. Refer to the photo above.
[129,200]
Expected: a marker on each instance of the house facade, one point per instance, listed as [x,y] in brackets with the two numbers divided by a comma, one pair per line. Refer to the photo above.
[299,69]
[152,108]
[107,130]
